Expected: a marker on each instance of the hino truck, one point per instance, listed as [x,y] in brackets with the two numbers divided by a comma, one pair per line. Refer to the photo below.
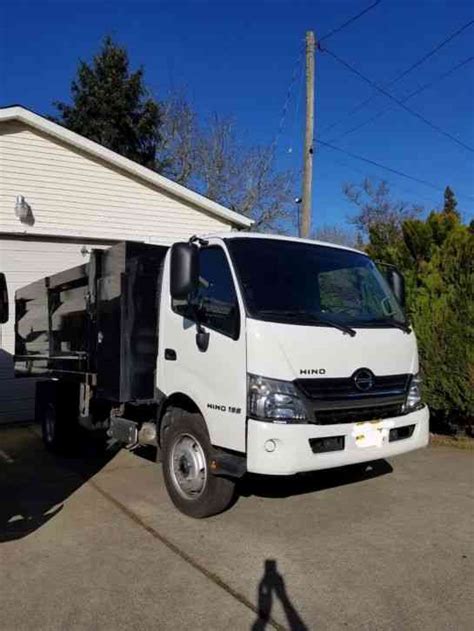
[232,354]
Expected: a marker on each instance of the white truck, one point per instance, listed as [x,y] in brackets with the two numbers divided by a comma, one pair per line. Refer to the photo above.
[232,353]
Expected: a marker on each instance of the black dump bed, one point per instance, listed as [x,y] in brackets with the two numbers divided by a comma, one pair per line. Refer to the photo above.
[96,322]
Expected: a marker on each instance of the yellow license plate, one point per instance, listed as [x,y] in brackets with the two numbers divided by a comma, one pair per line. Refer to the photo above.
[368,434]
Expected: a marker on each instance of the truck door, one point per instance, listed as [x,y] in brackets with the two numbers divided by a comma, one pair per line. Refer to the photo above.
[214,378]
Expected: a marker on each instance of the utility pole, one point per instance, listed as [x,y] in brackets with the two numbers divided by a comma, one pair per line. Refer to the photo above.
[305,223]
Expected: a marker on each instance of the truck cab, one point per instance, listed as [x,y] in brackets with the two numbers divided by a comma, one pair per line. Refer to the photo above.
[272,355]
[309,363]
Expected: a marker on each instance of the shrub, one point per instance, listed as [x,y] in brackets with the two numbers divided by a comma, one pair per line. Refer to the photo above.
[437,257]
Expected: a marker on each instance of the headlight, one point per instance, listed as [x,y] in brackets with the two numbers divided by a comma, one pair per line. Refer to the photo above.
[414,392]
[274,400]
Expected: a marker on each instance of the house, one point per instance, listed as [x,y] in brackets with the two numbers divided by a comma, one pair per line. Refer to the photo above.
[61,195]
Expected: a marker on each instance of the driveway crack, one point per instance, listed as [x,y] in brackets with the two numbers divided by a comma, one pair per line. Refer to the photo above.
[214,578]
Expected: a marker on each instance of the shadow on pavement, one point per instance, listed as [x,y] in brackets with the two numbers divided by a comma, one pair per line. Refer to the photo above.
[272,586]
[34,484]
[285,486]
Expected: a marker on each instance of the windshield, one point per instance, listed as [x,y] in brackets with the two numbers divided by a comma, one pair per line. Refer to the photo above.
[304,283]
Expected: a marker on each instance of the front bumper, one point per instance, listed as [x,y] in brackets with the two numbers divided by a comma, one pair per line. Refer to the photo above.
[293,453]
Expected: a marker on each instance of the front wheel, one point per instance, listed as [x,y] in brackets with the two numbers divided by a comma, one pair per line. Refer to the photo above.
[187,451]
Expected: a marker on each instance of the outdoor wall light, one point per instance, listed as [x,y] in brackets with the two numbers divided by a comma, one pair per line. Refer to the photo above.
[22,209]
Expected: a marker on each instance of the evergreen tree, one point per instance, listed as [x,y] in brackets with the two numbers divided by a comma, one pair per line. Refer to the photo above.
[450,202]
[436,256]
[111,105]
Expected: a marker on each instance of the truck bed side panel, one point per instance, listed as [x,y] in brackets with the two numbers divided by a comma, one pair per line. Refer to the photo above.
[98,318]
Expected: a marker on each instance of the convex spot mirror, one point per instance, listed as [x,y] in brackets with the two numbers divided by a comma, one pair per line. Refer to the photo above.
[184,264]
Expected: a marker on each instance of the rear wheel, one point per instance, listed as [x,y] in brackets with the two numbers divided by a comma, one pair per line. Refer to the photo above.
[187,451]
[57,413]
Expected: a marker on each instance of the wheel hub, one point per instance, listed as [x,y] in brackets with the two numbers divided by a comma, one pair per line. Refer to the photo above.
[184,466]
[188,466]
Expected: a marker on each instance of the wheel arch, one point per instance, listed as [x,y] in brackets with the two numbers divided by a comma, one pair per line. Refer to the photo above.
[181,401]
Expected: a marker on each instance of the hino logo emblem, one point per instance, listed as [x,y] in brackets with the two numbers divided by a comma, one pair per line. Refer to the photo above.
[363,379]
[312,371]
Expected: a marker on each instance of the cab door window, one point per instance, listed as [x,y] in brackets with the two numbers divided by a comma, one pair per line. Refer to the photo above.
[215,303]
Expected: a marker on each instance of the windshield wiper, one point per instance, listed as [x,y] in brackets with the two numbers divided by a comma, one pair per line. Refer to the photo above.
[403,326]
[310,317]
[337,325]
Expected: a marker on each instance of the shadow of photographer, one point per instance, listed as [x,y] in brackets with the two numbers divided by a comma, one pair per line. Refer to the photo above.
[272,586]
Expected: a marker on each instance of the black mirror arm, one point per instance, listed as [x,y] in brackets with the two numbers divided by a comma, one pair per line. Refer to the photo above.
[199,240]
[202,336]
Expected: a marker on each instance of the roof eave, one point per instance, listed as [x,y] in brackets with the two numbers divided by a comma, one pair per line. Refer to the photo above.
[40,123]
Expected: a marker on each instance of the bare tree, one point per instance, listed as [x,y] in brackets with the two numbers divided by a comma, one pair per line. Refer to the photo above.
[179,134]
[376,207]
[243,178]
[210,159]
[338,235]
[216,161]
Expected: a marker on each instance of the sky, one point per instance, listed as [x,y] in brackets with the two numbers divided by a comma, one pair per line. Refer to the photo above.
[244,60]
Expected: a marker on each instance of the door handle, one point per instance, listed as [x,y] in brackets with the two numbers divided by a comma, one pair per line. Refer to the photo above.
[170,354]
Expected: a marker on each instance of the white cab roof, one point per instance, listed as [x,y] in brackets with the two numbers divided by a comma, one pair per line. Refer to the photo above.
[277,237]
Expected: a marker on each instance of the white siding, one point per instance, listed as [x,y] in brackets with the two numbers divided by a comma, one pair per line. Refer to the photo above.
[73,194]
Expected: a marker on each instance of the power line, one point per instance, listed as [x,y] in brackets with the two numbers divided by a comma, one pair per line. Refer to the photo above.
[400,103]
[298,102]
[406,98]
[350,21]
[404,73]
[393,184]
[440,77]
[289,92]
[432,52]
[383,166]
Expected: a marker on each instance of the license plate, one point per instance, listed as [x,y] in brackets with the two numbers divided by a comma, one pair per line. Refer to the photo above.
[369,434]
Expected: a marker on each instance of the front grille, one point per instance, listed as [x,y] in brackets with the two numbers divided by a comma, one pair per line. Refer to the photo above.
[339,400]
[374,413]
[341,388]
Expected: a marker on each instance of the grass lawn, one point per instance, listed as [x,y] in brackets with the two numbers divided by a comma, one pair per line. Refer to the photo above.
[460,442]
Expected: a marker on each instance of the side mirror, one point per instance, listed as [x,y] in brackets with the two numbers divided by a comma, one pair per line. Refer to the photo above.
[397,283]
[3,299]
[184,267]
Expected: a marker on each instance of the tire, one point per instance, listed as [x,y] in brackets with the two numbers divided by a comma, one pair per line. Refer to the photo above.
[57,415]
[187,451]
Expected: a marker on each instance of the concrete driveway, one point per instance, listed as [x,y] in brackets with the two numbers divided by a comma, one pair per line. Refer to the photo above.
[94,543]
